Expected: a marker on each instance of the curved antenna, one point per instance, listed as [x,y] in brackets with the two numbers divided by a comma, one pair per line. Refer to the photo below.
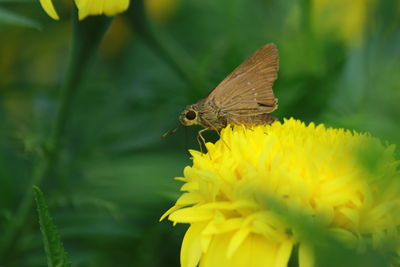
[170,132]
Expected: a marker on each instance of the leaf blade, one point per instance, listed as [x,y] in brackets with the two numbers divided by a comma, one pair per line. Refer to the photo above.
[55,252]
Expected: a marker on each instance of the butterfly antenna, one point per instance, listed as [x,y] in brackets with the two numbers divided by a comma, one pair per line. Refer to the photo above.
[170,132]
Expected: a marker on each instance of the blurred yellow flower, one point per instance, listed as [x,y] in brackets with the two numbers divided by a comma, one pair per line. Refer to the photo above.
[90,7]
[309,169]
[344,19]
[159,10]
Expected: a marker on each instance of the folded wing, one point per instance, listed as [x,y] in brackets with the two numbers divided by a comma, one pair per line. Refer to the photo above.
[247,91]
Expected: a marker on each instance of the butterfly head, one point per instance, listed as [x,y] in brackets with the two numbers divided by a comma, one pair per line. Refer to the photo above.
[189,116]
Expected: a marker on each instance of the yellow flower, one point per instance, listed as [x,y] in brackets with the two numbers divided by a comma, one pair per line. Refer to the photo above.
[308,169]
[343,19]
[160,10]
[90,7]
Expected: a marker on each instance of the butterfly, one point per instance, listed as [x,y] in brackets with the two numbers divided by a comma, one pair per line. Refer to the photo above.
[244,97]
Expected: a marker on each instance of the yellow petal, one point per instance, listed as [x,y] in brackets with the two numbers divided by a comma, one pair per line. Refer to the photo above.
[98,7]
[48,6]
[351,215]
[205,241]
[191,245]
[190,186]
[182,179]
[237,240]
[168,212]
[255,251]
[189,215]
[216,252]
[283,255]
[306,256]
[189,198]
[345,236]
[223,227]
[226,205]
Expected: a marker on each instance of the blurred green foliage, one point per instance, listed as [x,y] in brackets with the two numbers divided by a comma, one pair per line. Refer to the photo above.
[114,176]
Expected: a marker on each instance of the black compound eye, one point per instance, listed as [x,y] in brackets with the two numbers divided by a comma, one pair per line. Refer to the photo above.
[190,115]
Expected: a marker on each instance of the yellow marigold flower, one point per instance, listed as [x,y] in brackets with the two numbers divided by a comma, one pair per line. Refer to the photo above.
[90,7]
[310,169]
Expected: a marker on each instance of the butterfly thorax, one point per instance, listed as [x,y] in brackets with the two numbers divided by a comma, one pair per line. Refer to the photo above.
[206,115]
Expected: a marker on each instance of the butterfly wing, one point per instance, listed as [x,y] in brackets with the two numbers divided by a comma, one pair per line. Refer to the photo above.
[247,91]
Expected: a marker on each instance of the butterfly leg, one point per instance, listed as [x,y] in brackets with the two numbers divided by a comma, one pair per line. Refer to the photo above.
[201,139]
[211,127]
[219,134]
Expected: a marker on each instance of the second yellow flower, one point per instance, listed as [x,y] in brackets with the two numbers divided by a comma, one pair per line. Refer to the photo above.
[90,7]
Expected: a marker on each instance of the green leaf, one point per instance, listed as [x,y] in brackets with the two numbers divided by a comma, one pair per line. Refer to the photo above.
[56,255]
[12,18]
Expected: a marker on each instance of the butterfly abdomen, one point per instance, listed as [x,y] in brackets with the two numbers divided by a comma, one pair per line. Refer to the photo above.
[260,119]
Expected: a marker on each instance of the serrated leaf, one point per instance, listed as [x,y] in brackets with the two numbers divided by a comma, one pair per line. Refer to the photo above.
[12,18]
[55,253]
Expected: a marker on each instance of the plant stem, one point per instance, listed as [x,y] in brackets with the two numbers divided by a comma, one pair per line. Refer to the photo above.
[175,57]
[86,37]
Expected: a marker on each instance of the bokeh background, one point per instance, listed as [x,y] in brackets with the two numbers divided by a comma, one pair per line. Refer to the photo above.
[339,65]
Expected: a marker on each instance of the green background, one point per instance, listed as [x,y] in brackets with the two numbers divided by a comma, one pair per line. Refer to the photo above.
[339,65]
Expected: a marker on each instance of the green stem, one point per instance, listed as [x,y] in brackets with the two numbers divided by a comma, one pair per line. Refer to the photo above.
[85,40]
[166,49]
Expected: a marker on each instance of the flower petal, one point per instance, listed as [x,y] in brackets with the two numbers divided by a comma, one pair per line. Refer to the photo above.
[306,256]
[98,7]
[168,212]
[223,227]
[48,6]
[283,255]
[255,251]
[191,245]
[237,240]
[189,215]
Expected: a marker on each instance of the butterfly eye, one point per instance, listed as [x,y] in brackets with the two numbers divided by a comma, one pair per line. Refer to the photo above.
[190,115]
